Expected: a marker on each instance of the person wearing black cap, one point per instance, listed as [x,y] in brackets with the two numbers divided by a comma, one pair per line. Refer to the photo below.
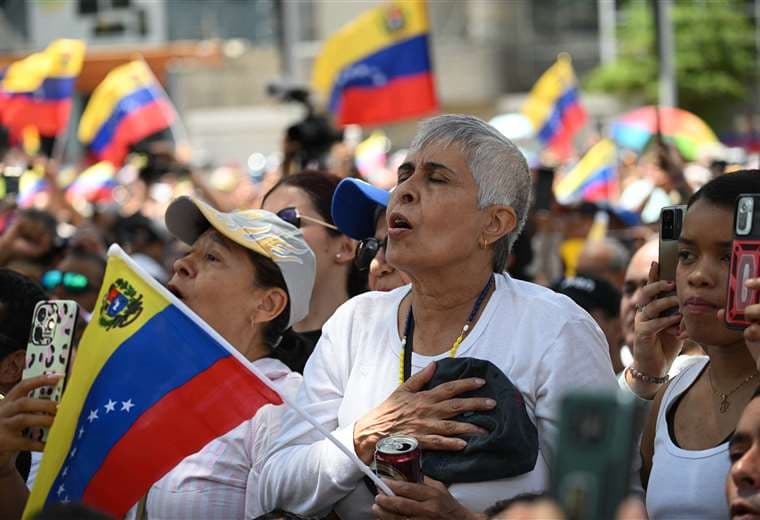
[602,301]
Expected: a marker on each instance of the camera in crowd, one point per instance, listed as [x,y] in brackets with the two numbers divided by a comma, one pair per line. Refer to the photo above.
[308,142]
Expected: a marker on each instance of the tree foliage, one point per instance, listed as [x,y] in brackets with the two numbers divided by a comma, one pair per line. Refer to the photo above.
[716,56]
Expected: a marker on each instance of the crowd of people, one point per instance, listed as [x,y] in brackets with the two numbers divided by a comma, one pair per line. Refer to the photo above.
[451,308]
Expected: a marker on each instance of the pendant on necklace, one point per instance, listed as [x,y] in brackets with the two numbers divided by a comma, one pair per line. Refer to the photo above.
[724,404]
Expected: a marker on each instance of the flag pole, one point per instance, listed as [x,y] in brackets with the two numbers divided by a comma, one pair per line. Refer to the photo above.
[59,147]
[177,127]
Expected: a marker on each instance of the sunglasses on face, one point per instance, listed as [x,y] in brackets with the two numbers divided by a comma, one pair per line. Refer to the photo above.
[72,282]
[367,250]
[293,216]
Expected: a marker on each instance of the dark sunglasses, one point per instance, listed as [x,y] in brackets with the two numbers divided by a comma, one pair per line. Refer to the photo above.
[366,250]
[293,216]
[72,282]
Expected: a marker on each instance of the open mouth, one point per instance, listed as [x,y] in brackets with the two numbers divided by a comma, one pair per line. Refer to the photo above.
[397,221]
[173,289]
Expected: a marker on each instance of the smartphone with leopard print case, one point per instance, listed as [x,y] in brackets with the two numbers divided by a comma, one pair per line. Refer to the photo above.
[49,349]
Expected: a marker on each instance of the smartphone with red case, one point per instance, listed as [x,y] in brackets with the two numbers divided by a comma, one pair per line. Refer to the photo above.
[745,260]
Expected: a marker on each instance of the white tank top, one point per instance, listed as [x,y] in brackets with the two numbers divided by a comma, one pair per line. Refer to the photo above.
[686,483]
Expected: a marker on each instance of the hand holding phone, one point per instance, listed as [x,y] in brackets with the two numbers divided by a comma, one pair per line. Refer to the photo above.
[49,349]
[18,414]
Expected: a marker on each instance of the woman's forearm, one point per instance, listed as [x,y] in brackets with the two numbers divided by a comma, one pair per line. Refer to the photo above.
[13,494]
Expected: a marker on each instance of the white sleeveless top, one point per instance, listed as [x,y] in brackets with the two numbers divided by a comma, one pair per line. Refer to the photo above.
[686,483]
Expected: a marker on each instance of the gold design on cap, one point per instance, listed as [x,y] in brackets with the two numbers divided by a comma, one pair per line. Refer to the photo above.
[275,246]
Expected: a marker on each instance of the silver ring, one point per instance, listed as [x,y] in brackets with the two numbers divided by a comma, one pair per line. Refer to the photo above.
[640,307]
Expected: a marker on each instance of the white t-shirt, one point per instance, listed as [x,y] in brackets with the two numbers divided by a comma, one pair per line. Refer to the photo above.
[686,483]
[541,340]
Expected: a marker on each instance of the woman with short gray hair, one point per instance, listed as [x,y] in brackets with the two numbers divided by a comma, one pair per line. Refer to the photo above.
[461,201]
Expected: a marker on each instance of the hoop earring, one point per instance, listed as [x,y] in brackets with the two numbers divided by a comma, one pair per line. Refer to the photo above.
[483,244]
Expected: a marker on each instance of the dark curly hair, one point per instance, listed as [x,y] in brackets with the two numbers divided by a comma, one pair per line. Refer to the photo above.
[18,296]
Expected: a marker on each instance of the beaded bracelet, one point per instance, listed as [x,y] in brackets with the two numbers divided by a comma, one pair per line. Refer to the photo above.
[652,380]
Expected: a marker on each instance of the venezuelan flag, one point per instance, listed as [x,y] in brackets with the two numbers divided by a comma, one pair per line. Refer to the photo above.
[151,384]
[593,178]
[95,184]
[31,185]
[377,69]
[554,108]
[37,90]
[128,106]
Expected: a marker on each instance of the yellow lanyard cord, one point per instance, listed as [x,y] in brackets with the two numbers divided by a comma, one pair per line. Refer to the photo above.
[453,350]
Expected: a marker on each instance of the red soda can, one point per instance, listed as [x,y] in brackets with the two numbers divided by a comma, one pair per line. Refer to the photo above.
[399,457]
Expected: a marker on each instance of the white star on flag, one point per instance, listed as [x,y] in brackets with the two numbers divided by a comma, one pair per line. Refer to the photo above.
[73,452]
[65,500]
[61,489]
[81,432]
[126,405]
[110,406]
[65,471]
[93,415]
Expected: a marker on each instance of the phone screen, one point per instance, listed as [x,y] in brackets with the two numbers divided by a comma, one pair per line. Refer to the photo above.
[544,194]
[49,348]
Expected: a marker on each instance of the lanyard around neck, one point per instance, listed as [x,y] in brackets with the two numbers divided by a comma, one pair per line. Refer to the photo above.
[407,342]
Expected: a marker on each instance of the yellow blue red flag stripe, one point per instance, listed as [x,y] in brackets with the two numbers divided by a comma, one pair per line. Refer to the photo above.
[593,178]
[37,90]
[554,108]
[377,69]
[129,105]
[151,384]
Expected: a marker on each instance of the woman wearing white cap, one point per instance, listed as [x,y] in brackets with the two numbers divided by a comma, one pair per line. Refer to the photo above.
[249,275]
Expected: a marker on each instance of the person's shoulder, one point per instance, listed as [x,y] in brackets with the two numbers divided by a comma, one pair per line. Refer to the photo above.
[284,380]
[370,303]
[534,298]
[685,370]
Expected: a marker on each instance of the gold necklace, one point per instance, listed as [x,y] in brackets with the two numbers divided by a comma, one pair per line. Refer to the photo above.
[406,341]
[724,402]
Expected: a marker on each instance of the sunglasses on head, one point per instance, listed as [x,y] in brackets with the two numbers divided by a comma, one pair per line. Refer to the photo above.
[72,282]
[293,216]
[366,250]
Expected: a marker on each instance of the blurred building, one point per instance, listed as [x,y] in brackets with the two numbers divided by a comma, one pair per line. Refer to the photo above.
[487,53]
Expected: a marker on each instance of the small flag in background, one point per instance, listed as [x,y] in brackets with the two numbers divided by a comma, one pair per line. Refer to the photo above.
[128,106]
[554,107]
[151,384]
[37,90]
[377,69]
[594,178]
[95,184]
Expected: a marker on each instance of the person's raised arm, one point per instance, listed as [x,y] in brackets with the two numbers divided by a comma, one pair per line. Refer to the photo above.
[657,341]
[18,412]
